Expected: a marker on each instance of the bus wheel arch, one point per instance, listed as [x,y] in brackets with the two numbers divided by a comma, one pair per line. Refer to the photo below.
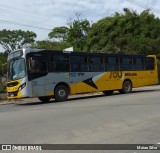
[126,86]
[61,91]
[108,92]
[44,99]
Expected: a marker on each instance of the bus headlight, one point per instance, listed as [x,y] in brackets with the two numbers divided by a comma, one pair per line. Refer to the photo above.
[22,86]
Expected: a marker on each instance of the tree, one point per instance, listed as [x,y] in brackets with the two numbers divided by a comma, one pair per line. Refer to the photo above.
[3,60]
[46,44]
[3,70]
[74,35]
[59,33]
[128,32]
[16,39]
[77,33]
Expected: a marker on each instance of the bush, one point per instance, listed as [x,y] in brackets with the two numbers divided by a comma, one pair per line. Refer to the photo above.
[2,86]
[2,89]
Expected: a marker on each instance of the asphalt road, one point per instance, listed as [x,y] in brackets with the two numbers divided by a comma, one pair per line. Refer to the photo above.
[118,119]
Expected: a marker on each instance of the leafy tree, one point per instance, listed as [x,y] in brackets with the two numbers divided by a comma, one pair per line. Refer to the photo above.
[46,44]
[128,32]
[74,35]
[16,39]
[3,70]
[3,60]
[77,33]
[59,33]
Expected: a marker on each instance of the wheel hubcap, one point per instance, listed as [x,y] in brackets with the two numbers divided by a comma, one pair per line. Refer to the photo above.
[127,87]
[61,93]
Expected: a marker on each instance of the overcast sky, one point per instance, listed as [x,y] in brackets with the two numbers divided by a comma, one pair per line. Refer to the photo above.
[44,15]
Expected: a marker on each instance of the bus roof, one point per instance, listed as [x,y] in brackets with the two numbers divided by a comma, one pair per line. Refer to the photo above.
[56,52]
[84,53]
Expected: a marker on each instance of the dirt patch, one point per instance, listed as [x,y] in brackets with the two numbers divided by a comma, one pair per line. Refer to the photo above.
[3,96]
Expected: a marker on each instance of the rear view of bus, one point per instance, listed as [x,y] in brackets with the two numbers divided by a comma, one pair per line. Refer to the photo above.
[16,77]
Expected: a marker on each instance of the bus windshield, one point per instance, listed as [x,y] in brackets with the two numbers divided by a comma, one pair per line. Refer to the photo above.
[16,69]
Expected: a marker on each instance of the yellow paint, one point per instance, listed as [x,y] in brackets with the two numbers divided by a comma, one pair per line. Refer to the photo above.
[49,94]
[143,78]
[14,89]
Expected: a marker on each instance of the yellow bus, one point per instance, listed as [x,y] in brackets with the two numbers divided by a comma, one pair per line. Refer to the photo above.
[48,74]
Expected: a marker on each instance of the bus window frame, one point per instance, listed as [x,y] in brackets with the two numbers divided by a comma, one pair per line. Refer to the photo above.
[126,63]
[99,64]
[82,63]
[135,64]
[150,63]
[59,63]
[115,65]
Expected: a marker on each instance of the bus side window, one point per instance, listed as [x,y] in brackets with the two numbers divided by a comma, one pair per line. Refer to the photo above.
[60,63]
[37,65]
[84,64]
[79,63]
[127,64]
[138,63]
[111,63]
[75,62]
[95,64]
[149,63]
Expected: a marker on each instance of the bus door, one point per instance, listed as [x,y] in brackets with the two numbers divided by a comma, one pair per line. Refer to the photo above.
[37,71]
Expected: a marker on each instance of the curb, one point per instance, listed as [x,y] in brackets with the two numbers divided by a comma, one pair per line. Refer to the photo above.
[3,99]
[5,102]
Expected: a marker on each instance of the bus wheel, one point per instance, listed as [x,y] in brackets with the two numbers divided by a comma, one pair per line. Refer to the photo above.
[61,93]
[44,99]
[108,92]
[127,87]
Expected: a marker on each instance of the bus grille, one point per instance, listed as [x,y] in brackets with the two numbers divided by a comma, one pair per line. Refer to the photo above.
[12,94]
[12,84]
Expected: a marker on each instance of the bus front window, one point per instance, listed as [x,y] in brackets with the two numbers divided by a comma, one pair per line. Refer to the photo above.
[16,69]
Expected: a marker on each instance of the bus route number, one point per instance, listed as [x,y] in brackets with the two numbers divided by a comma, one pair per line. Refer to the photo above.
[115,74]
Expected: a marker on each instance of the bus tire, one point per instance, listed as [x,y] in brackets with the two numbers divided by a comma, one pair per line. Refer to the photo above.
[108,92]
[126,88]
[61,93]
[44,99]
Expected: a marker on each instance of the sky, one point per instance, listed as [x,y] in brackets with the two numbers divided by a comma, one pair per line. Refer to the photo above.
[42,16]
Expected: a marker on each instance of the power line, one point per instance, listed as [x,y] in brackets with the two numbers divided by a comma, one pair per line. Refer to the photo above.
[139,4]
[24,25]
[9,13]
[8,17]
[26,12]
